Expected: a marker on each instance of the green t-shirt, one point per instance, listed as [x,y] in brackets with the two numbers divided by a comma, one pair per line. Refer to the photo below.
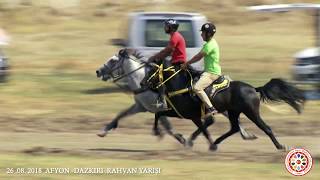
[211,60]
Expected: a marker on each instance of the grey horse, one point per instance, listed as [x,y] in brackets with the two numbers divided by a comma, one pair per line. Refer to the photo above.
[129,65]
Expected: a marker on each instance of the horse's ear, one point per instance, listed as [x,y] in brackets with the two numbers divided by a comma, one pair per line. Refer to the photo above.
[123,53]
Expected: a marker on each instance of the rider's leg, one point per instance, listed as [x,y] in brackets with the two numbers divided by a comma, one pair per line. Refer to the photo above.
[162,100]
[205,80]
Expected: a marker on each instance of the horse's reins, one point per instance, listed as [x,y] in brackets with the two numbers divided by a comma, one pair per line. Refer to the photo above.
[168,69]
[160,71]
[127,74]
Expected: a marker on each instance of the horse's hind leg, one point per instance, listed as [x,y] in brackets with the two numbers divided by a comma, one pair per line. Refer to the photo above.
[209,121]
[244,133]
[167,126]
[252,112]
[234,122]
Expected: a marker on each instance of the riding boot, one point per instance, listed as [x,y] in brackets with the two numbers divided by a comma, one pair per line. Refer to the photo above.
[211,111]
[162,103]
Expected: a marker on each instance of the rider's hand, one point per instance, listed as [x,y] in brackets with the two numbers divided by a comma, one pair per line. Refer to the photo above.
[151,59]
[184,66]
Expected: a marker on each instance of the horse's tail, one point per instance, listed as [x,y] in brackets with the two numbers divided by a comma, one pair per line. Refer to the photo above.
[280,90]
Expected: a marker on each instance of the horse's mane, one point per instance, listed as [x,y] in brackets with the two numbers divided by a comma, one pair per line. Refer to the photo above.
[126,52]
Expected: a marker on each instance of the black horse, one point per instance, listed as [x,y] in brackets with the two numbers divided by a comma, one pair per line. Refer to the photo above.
[239,97]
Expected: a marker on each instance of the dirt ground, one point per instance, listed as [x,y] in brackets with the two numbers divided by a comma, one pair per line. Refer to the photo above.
[138,143]
[133,142]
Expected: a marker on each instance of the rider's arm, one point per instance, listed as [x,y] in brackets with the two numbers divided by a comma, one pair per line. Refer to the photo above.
[167,50]
[197,57]
[164,52]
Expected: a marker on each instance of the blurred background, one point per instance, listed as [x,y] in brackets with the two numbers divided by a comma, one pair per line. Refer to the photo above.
[52,104]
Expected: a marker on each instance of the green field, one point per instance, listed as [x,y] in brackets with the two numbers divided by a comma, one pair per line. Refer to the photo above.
[53,104]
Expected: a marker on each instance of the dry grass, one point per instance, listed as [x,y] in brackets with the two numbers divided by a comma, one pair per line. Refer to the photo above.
[54,55]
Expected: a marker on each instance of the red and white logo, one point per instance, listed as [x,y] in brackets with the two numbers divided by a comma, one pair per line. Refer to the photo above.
[298,162]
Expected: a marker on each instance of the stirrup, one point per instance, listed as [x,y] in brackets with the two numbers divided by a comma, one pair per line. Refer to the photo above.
[211,111]
[161,105]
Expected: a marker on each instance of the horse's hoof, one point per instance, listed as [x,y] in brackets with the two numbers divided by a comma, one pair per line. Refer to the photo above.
[247,135]
[160,136]
[189,143]
[180,138]
[253,137]
[158,133]
[102,134]
[283,148]
[115,126]
[213,147]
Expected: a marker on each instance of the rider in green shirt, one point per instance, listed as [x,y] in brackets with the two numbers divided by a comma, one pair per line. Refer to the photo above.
[212,69]
[211,59]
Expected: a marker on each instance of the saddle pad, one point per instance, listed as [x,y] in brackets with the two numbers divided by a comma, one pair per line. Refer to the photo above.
[213,89]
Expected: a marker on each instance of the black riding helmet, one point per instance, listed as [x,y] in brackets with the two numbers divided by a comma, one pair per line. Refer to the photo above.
[172,24]
[209,29]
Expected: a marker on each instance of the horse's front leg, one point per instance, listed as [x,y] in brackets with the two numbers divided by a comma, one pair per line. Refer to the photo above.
[155,129]
[208,122]
[165,123]
[134,109]
[198,123]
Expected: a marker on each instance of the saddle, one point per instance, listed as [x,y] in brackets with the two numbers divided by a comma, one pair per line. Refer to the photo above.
[216,86]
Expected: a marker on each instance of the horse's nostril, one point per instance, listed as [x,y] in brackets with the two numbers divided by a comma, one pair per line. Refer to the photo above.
[98,73]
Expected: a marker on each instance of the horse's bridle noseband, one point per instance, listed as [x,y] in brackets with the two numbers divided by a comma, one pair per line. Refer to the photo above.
[117,78]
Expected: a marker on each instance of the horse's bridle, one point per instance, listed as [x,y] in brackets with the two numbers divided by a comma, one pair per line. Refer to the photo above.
[119,77]
[111,70]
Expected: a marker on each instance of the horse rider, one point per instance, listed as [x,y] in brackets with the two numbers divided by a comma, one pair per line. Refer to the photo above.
[212,70]
[176,48]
